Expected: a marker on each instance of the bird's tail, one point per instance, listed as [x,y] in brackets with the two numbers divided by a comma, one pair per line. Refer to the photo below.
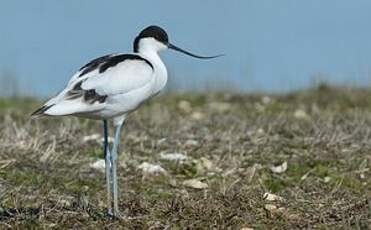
[41,111]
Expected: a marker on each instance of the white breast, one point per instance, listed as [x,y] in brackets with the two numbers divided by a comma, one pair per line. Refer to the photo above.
[160,71]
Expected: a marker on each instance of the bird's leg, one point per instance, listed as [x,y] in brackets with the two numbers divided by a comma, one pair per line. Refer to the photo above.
[116,212]
[107,157]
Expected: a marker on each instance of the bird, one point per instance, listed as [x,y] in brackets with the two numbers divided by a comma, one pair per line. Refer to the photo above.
[110,87]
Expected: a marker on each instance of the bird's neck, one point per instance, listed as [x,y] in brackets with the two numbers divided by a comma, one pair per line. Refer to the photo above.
[159,68]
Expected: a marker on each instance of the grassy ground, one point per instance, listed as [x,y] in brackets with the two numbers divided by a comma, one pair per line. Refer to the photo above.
[231,141]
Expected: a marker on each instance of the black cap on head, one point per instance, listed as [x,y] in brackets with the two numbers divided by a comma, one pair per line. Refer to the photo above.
[155,32]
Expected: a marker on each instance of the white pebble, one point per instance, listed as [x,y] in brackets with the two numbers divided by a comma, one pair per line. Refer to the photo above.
[148,168]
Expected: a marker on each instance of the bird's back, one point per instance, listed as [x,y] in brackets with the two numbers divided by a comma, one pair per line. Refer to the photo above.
[106,87]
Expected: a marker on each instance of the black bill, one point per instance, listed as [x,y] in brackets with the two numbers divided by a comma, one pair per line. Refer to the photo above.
[171,46]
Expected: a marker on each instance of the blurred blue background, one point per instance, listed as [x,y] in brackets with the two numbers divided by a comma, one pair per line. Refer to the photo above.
[270,45]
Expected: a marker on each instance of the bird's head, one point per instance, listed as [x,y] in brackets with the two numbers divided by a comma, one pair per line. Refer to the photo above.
[155,38]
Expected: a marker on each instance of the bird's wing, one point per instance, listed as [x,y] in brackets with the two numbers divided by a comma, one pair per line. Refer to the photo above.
[122,74]
[99,80]
[91,66]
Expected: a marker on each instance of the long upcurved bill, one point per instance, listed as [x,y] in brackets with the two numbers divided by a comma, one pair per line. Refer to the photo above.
[171,46]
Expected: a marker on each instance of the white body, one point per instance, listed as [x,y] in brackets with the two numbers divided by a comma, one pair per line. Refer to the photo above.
[127,85]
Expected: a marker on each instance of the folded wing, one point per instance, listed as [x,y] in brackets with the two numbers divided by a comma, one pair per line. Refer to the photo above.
[92,87]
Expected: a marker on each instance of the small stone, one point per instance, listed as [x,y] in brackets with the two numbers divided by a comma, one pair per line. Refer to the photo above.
[362,176]
[185,106]
[270,207]
[274,210]
[260,131]
[194,183]
[173,156]
[326,179]
[280,168]
[191,143]
[197,116]
[151,169]
[272,197]
[93,137]
[85,188]
[301,114]
[99,165]
[266,100]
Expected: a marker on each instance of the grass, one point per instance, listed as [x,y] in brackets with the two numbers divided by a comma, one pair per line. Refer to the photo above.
[231,141]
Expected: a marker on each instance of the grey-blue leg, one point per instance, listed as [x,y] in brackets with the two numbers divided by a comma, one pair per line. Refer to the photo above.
[107,157]
[116,211]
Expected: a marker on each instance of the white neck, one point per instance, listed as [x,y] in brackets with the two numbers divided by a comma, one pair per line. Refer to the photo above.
[148,51]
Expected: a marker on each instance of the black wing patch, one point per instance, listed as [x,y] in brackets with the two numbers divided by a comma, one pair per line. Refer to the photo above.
[105,62]
[90,96]
[94,64]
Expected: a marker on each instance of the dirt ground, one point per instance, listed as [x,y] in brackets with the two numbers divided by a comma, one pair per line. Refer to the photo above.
[294,161]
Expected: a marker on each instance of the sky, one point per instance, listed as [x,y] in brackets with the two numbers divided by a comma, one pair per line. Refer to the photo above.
[269,45]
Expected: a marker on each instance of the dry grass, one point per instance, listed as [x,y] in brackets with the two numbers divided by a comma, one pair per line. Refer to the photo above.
[231,142]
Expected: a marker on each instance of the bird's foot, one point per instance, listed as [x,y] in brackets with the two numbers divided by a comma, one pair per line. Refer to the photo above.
[116,215]
[110,213]
[123,217]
